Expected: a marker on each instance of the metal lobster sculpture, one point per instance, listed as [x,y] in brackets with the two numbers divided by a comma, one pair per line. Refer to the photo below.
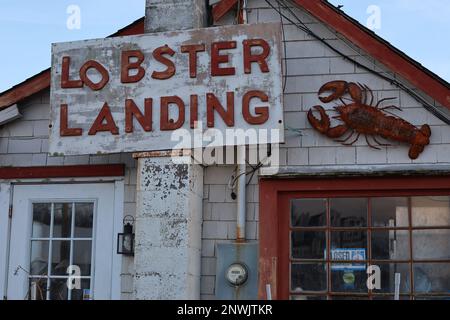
[362,117]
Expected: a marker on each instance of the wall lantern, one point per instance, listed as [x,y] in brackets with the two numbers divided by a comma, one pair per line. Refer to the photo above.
[125,240]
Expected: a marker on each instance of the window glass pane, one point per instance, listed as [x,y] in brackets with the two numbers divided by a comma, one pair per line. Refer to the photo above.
[308,277]
[349,239]
[84,293]
[432,277]
[41,220]
[308,244]
[60,257]
[390,297]
[308,212]
[82,256]
[390,245]
[301,297]
[430,211]
[345,278]
[62,223]
[433,297]
[431,244]
[389,212]
[38,289]
[348,212]
[39,257]
[350,297]
[58,289]
[84,213]
[387,280]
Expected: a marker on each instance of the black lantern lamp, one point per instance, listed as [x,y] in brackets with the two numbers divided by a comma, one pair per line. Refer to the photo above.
[125,240]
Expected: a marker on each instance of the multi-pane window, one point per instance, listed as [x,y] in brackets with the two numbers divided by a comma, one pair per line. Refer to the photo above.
[62,234]
[334,240]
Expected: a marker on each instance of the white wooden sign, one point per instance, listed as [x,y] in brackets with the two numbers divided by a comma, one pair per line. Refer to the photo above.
[137,93]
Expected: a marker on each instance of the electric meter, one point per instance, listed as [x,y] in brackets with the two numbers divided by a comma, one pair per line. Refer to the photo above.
[237,274]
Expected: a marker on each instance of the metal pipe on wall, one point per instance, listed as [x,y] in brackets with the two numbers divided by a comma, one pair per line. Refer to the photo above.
[241,194]
[241,185]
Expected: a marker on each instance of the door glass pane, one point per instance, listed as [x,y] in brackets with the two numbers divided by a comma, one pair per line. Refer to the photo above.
[308,212]
[431,244]
[37,289]
[84,214]
[348,212]
[60,257]
[308,277]
[389,212]
[41,220]
[348,278]
[84,293]
[432,277]
[39,258]
[308,244]
[430,211]
[82,256]
[58,289]
[390,245]
[62,223]
[61,235]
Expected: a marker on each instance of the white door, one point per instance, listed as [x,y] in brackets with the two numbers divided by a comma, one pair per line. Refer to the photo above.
[57,226]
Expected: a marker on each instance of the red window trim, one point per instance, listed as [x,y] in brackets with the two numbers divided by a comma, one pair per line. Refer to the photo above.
[274,198]
[108,170]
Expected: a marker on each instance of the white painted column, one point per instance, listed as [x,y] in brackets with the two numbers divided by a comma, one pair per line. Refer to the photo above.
[169,195]
[168,229]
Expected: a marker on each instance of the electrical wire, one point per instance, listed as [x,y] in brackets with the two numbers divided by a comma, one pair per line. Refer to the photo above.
[302,26]
[284,49]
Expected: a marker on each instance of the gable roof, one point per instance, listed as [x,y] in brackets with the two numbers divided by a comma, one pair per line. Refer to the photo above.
[379,49]
[419,76]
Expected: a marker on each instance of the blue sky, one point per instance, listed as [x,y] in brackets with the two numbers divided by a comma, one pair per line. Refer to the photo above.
[27,28]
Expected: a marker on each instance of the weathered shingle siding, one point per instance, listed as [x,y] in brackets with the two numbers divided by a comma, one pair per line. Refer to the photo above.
[24,142]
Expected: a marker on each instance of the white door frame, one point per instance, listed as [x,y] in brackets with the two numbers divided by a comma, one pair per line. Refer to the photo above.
[5,200]
[6,194]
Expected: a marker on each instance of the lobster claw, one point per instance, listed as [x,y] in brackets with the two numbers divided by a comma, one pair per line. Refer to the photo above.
[323,124]
[340,88]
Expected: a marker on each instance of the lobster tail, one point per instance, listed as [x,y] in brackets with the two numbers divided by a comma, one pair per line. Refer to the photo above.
[421,139]
[426,131]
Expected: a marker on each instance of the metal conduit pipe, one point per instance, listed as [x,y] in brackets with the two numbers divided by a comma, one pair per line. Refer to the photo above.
[241,195]
[241,185]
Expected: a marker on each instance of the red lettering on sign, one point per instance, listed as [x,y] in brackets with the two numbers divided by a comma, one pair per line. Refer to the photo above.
[64,130]
[260,58]
[158,55]
[192,49]
[97,66]
[132,110]
[65,81]
[194,110]
[165,122]
[217,59]
[262,112]
[212,103]
[99,125]
[127,66]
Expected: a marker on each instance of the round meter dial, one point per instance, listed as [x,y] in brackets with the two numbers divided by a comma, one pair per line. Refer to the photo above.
[237,274]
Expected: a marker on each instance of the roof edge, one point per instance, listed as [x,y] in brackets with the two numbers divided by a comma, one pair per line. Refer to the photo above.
[381,50]
[41,81]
